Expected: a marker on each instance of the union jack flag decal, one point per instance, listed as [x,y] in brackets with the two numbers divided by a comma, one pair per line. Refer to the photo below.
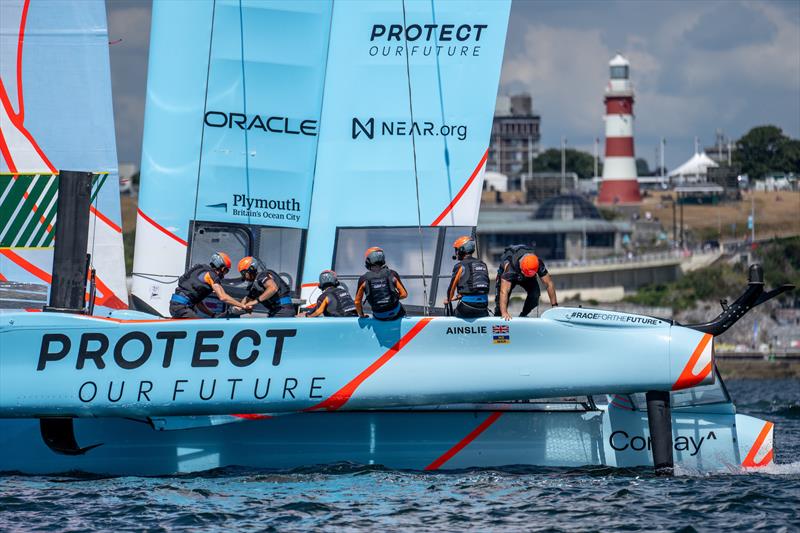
[501,330]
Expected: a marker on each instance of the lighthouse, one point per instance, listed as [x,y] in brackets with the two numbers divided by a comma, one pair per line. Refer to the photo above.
[619,185]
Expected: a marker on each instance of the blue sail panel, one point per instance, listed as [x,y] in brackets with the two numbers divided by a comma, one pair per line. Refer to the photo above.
[231,128]
[237,136]
[437,61]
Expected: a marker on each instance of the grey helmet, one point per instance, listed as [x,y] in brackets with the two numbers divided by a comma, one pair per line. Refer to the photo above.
[374,257]
[328,279]
[464,245]
[220,260]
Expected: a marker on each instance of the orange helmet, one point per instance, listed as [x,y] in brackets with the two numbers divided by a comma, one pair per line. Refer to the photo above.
[247,264]
[529,265]
[464,245]
[221,260]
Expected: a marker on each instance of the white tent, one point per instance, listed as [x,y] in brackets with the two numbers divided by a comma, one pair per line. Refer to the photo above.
[695,169]
[495,181]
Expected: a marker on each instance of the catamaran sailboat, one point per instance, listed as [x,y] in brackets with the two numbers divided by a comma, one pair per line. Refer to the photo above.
[302,134]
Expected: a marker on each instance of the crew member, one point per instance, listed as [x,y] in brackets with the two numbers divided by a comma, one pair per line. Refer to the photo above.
[470,280]
[199,282]
[266,287]
[520,266]
[382,288]
[334,300]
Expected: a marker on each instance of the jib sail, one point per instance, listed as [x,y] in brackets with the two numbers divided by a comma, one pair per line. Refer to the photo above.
[56,113]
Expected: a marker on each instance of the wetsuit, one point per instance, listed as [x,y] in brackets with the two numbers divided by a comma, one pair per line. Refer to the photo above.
[340,303]
[193,287]
[280,303]
[471,280]
[513,275]
[381,293]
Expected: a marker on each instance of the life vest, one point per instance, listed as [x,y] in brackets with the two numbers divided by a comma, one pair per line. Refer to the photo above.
[282,297]
[380,290]
[474,277]
[513,254]
[340,303]
[193,286]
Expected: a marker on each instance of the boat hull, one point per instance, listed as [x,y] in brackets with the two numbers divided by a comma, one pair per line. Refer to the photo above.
[493,436]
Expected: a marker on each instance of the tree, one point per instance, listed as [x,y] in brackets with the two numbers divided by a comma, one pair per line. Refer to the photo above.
[642,168]
[581,163]
[766,148]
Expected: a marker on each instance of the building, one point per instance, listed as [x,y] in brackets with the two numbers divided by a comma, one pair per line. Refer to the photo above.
[540,186]
[564,227]
[722,150]
[619,184]
[515,137]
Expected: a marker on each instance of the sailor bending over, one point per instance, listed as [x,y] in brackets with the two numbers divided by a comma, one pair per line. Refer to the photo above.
[470,280]
[334,300]
[520,266]
[198,283]
[266,287]
[382,288]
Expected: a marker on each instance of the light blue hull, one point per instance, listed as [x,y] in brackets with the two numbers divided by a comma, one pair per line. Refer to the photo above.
[497,435]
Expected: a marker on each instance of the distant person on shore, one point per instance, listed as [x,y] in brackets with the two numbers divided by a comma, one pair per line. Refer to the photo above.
[520,266]
[334,300]
[267,288]
[469,282]
[381,287]
[199,282]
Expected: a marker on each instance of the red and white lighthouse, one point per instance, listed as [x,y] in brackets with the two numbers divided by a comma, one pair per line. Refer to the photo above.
[619,185]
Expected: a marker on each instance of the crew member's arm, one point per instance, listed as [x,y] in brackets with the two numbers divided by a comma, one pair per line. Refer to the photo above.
[269,291]
[224,298]
[547,279]
[320,308]
[505,294]
[359,300]
[451,292]
[402,293]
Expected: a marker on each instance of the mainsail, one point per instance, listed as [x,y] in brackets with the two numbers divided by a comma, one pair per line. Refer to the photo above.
[274,128]
[56,113]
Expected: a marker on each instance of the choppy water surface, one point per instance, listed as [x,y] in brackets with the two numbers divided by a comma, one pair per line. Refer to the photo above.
[350,497]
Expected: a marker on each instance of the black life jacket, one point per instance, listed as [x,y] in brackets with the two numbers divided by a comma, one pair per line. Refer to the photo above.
[193,286]
[340,303]
[474,278]
[513,254]
[380,290]
[260,285]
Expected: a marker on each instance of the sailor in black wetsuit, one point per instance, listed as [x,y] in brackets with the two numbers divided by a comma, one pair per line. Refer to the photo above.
[198,283]
[382,288]
[334,300]
[470,280]
[267,288]
[520,266]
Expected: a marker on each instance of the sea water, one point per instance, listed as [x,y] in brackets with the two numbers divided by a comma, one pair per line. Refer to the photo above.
[354,497]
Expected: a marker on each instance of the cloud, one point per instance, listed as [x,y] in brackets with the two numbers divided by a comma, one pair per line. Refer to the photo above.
[695,67]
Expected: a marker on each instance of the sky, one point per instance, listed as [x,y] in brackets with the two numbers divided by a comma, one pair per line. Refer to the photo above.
[696,67]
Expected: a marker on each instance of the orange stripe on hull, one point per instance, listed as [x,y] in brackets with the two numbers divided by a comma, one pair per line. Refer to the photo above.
[688,378]
[341,397]
[474,434]
[750,460]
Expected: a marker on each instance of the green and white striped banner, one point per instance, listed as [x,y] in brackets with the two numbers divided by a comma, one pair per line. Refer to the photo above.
[28,208]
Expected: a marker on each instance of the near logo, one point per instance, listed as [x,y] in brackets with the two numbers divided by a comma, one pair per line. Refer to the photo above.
[401,128]
[367,129]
